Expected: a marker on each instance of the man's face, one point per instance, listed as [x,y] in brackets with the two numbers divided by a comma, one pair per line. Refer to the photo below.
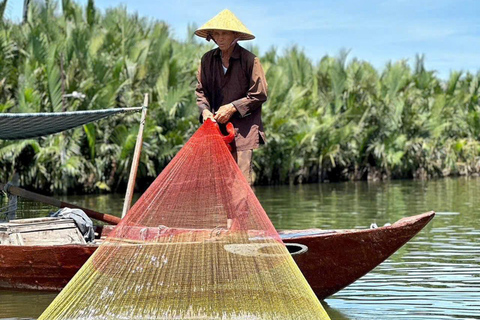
[223,38]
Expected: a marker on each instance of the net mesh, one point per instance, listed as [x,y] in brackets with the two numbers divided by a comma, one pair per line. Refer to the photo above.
[15,126]
[196,245]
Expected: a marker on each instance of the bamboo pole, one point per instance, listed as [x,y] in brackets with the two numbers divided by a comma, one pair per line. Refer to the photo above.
[60,204]
[136,159]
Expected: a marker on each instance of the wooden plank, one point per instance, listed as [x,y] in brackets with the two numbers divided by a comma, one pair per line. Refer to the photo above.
[52,237]
[17,239]
[4,238]
[41,231]
[37,228]
[33,220]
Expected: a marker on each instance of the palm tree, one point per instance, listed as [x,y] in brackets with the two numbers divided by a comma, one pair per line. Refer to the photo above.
[335,119]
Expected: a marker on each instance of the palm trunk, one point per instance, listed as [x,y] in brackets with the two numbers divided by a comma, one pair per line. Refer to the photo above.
[26,3]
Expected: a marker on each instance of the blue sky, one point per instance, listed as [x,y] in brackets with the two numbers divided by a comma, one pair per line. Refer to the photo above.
[446,31]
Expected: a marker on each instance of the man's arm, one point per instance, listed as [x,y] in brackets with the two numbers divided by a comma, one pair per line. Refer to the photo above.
[202,101]
[257,93]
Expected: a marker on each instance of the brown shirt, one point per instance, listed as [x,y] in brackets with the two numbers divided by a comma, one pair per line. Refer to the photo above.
[244,85]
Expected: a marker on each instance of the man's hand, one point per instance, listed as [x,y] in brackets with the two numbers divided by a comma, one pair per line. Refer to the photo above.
[206,114]
[225,112]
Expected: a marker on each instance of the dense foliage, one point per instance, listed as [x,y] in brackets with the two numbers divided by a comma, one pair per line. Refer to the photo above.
[333,120]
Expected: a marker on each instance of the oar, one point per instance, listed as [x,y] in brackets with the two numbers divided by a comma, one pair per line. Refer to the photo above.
[107,218]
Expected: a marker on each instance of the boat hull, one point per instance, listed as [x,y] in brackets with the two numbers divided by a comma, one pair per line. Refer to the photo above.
[332,261]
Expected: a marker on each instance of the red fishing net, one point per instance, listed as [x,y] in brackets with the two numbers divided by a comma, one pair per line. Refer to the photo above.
[196,245]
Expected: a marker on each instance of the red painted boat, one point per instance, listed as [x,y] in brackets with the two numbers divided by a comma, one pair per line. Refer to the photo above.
[337,259]
[330,260]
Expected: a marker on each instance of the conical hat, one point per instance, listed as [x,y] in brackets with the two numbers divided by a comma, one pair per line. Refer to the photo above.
[225,20]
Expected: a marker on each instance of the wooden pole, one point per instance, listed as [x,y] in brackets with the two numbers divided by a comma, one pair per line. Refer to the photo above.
[136,159]
[60,204]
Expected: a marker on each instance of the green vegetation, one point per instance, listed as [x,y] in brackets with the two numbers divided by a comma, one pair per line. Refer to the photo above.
[337,119]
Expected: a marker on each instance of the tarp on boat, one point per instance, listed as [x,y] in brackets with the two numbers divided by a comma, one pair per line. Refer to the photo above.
[14,126]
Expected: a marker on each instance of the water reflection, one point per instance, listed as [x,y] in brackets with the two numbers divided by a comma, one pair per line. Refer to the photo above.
[17,304]
[335,314]
[435,276]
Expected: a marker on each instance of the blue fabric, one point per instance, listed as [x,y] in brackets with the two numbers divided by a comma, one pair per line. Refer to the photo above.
[82,221]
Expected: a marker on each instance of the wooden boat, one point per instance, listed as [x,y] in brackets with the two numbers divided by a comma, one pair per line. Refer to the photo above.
[329,259]
[336,259]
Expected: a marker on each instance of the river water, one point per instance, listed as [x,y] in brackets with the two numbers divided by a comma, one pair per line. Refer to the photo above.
[435,276]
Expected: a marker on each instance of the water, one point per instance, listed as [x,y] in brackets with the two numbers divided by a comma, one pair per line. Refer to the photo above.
[435,276]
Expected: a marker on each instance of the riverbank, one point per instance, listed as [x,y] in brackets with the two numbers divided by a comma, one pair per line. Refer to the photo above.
[335,118]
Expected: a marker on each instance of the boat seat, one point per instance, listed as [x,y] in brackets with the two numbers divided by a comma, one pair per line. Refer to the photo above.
[40,232]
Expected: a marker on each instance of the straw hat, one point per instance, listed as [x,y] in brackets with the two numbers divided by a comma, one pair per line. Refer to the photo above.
[225,20]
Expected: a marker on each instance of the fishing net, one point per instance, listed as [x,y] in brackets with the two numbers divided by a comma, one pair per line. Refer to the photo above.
[196,245]
[15,126]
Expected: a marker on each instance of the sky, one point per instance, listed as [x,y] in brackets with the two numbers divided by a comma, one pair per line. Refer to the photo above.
[447,32]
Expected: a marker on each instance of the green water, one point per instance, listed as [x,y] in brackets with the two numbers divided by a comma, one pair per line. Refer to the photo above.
[435,276]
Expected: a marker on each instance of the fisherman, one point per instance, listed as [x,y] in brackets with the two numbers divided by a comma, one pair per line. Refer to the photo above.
[232,87]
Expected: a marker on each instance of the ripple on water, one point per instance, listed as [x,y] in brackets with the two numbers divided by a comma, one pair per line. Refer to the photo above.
[436,276]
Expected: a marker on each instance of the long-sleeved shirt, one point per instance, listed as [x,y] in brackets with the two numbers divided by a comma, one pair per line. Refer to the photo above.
[244,85]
